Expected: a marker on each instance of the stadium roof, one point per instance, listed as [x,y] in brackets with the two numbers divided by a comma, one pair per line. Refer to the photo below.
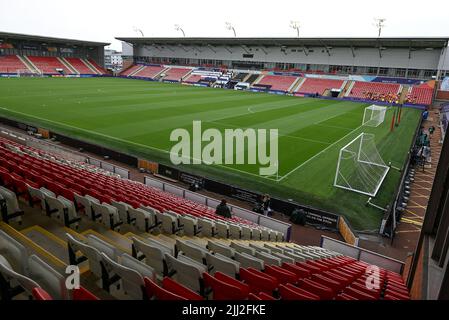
[421,42]
[19,36]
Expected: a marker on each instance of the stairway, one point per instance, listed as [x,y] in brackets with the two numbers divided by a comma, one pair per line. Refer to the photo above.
[298,85]
[68,65]
[347,90]
[294,85]
[404,92]
[136,71]
[91,66]
[29,64]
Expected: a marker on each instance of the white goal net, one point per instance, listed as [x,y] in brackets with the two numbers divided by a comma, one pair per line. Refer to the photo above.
[374,115]
[360,167]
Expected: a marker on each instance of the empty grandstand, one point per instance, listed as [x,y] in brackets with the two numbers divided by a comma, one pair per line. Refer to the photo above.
[86,180]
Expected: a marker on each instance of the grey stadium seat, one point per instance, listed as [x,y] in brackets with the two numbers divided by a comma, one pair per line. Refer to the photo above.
[14,252]
[13,279]
[248,261]
[220,263]
[221,249]
[109,215]
[48,278]
[187,271]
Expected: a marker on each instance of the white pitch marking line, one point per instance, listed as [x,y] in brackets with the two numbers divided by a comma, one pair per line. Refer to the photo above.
[316,155]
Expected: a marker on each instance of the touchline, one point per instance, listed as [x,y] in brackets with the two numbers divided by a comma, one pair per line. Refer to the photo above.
[208,147]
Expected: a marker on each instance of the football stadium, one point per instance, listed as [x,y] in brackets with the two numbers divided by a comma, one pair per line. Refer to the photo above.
[224,168]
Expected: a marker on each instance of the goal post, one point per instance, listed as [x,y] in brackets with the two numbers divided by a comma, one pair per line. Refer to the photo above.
[374,115]
[360,167]
[26,73]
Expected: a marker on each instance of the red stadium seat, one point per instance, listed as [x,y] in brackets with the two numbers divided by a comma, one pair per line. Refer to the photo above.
[323,292]
[153,290]
[283,276]
[290,293]
[258,281]
[83,294]
[222,290]
[178,289]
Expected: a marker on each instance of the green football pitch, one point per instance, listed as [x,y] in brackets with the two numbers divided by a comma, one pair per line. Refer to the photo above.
[137,117]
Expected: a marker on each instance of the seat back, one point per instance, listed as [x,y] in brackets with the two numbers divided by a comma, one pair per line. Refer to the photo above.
[243,248]
[155,291]
[154,254]
[188,272]
[258,282]
[141,216]
[259,248]
[265,235]
[48,278]
[207,227]
[40,294]
[169,222]
[222,290]
[218,262]
[283,257]
[122,209]
[10,275]
[235,231]
[256,234]
[70,207]
[107,212]
[14,252]
[132,281]
[246,233]
[103,246]
[222,229]
[174,287]
[12,205]
[189,225]
[194,252]
[248,261]
[221,249]
[37,194]
[92,253]
[268,258]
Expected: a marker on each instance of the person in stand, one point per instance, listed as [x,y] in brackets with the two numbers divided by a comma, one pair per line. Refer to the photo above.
[223,209]
[266,204]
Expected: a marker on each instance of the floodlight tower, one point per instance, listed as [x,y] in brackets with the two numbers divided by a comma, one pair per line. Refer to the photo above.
[229,26]
[179,28]
[137,30]
[380,24]
[295,25]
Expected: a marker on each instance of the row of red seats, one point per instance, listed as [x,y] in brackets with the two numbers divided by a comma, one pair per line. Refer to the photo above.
[80,66]
[78,294]
[11,64]
[280,83]
[360,89]
[420,95]
[318,85]
[65,180]
[326,279]
[149,72]
[48,64]
[175,74]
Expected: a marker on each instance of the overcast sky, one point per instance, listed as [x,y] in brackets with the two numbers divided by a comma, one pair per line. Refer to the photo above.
[102,20]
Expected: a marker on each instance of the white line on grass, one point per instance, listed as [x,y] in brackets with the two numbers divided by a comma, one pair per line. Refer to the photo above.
[129,142]
[280,135]
[316,155]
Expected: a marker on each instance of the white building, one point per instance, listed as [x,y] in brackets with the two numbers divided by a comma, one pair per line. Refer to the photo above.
[113,59]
